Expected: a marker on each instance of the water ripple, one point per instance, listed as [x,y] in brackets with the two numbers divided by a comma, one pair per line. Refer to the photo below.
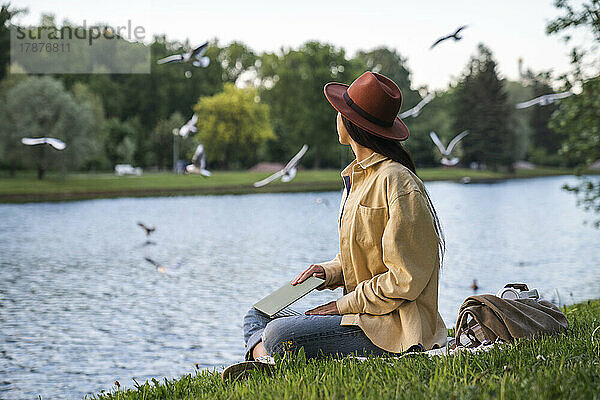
[81,308]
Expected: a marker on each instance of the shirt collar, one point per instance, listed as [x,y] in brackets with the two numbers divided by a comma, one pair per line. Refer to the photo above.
[364,164]
[346,171]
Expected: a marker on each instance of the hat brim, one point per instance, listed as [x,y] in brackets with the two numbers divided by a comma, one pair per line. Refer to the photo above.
[334,93]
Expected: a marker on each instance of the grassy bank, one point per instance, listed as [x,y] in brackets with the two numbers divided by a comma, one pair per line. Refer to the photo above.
[25,187]
[562,366]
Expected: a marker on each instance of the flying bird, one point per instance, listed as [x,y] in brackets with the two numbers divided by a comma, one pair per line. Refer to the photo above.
[416,110]
[198,165]
[164,269]
[544,100]
[288,172]
[189,126]
[147,229]
[446,152]
[454,36]
[56,143]
[195,57]
[322,200]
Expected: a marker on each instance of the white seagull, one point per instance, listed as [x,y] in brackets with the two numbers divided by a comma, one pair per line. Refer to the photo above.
[288,172]
[446,152]
[416,110]
[56,143]
[544,100]
[322,200]
[189,126]
[165,269]
[198,165]
[195,57]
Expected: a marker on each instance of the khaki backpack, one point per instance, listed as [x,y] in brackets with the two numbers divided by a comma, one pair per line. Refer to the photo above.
[487,318]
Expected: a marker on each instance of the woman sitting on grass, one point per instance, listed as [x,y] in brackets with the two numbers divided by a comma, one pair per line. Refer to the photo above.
[390,245]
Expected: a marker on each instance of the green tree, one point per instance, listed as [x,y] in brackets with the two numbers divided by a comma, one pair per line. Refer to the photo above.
[96,158]
[232,125]
[6,14]
[41,107]
[235,59]
[162,139]
[292,85]
[120,144]
[482,109]
[578,117]
[435,116]
[6,84]
[545,142]
[583,14]
[155,96]
[125,150]
[520,120]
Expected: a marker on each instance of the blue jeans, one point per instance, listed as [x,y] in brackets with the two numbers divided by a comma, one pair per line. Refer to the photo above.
[319,335]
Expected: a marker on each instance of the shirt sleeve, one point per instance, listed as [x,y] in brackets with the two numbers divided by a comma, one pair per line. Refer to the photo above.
[334,277]
[410,252]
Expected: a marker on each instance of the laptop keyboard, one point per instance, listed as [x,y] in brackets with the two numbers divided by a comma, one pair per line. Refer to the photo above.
[287,312]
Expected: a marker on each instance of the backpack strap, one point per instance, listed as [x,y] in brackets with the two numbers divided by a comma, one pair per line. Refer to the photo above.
[519,286]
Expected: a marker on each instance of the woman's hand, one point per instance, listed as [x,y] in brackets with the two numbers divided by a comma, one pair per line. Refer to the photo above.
[314,270]
[326,309]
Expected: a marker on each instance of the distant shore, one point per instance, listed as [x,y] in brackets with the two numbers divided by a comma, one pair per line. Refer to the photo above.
[25,187]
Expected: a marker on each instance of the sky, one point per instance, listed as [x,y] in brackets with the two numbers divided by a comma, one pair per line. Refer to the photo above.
[510,28]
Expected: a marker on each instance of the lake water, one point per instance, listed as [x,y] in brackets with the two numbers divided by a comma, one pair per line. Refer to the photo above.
[81,308]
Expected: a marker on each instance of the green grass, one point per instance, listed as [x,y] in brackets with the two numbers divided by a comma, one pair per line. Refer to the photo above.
[25,187]
[27,182]
[562,366]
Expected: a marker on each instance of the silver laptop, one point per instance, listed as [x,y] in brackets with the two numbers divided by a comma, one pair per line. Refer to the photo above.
[276,304]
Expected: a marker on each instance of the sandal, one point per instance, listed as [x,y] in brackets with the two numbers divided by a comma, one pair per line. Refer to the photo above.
[241,370]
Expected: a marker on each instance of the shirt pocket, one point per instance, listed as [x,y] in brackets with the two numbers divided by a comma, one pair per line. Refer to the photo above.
[369,224]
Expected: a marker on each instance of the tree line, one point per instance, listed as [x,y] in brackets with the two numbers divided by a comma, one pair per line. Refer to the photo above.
[255,107]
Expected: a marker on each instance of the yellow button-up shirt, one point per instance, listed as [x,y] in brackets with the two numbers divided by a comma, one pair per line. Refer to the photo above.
[388,262]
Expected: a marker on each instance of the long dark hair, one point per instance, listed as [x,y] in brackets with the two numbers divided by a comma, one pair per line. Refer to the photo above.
[394,150]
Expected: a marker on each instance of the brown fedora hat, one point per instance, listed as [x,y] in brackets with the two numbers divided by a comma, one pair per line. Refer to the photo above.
[372,102]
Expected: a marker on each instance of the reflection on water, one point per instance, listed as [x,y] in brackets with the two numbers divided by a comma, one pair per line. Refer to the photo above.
[81,308]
